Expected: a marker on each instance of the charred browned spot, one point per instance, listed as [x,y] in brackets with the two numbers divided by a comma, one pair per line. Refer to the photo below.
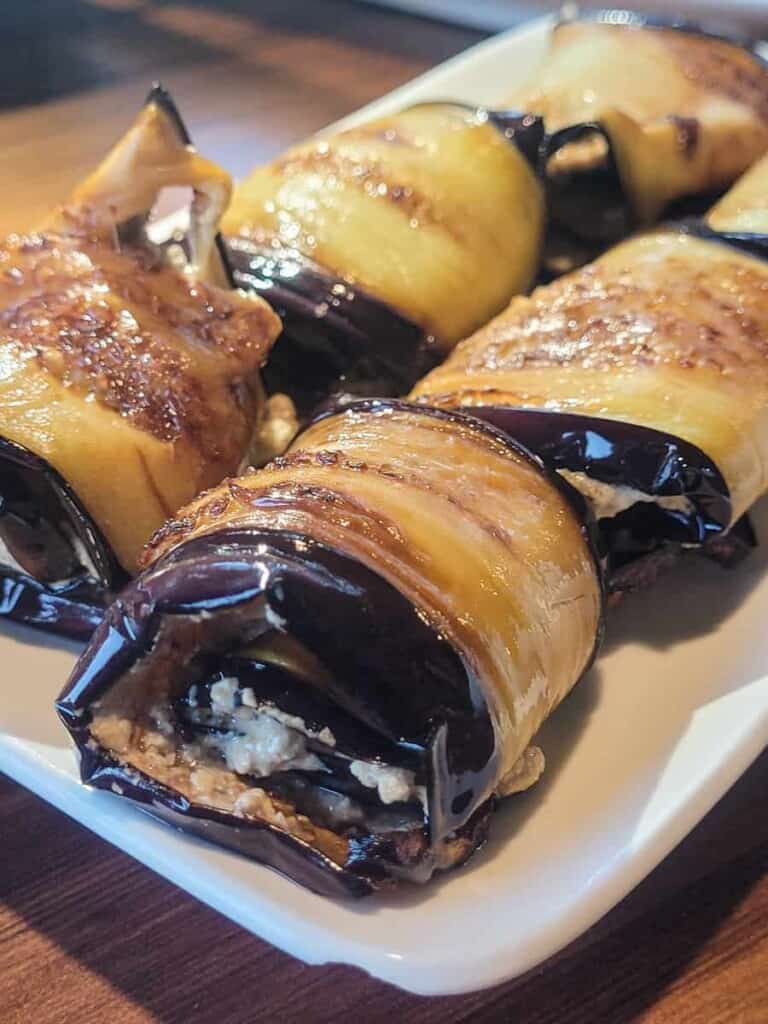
[687,131]
[372,177]
[304,458]
[155,347]
[295,491]
[170,533]
[416,481]
[217,507]
[683,312]
[721,67]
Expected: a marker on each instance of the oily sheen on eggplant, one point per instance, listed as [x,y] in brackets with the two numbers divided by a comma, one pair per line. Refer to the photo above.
[382,244]
[335,664]
[643,377]
[639,114]
[129,381]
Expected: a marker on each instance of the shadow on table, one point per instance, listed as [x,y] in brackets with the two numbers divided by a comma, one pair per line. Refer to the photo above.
[693,599]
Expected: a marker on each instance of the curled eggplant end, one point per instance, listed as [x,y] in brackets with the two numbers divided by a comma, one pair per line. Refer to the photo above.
[116,200]
[586,196]
[270,694]
[56,565]
[647,488]
[623,158]
[56,568]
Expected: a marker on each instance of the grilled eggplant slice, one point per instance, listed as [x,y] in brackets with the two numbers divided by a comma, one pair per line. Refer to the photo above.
[639,114]
[382,244]
[336,664]
[643,377]
[129,382]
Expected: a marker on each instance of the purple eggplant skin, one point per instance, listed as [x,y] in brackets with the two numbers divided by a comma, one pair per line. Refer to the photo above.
[335,339]
[589,207]
[629,455]
[395,675]
[56,568]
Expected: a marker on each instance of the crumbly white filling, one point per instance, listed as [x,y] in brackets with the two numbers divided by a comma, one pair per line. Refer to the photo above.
[190,769]
[223,695]
[261,745]
[278,428]
[223,703]
[324,735]
[264,739]
[393,784]
[608,500]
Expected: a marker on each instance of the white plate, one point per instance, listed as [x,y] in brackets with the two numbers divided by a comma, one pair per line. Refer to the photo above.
[495,15]
[674,713]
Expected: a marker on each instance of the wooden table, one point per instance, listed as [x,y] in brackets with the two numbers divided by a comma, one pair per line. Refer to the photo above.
[86,934]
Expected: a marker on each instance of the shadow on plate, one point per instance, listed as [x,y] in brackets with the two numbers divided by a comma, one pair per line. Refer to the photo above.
[692,599]
[558,738]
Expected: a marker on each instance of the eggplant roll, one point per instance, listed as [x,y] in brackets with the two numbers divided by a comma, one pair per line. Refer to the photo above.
[129,381]
[639,115]
[335,664]
[643,377]
[383,244]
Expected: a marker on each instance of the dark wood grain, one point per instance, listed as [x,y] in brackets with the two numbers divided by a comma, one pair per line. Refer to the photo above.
[86,934]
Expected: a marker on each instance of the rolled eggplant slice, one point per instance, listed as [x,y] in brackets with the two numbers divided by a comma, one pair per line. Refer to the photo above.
[383,244]
[639,115]
[335,664]
[648,374]
[130,375]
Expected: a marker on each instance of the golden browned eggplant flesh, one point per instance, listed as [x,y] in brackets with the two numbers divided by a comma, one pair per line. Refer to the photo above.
[336,664]
[130,382]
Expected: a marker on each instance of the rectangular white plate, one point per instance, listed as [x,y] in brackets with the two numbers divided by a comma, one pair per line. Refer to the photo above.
[674,713]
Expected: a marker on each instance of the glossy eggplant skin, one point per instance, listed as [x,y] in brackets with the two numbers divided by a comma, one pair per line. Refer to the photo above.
[663,332]
[128,385]
[384,243]
[638,114]
[628,455]
[369,635]
[58,566]
[336,339]
[429,663]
